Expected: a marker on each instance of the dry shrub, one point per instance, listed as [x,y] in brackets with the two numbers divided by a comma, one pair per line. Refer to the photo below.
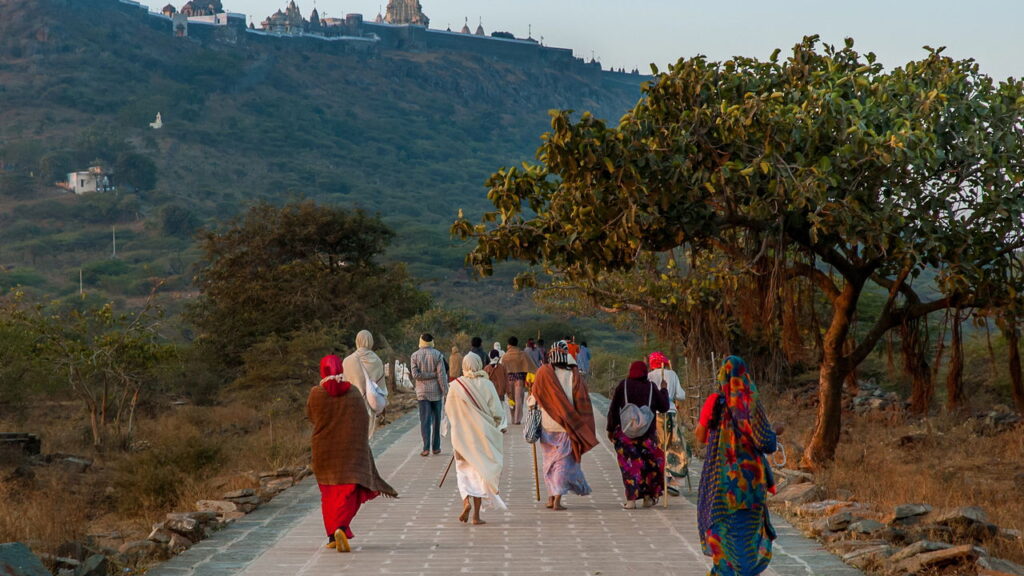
[944,465]
[44,516]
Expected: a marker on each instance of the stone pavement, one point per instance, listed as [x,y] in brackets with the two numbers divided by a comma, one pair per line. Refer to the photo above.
[419,534]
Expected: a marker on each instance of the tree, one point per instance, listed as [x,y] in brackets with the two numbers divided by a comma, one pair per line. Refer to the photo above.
[105,357]
[822,171]
[16,185]
[136,169]
[280,270]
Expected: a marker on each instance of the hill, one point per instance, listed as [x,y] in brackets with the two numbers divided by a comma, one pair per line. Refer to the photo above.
[411,135]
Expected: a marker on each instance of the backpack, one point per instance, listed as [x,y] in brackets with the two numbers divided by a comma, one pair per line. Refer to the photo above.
[635,420]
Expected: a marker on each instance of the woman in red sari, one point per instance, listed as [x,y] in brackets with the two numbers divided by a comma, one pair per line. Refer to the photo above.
[342,461]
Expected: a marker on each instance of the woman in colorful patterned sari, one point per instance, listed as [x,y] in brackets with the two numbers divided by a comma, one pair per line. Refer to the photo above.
[733,521]
[670,424]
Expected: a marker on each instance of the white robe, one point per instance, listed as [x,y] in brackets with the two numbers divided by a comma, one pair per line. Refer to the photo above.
[476,433]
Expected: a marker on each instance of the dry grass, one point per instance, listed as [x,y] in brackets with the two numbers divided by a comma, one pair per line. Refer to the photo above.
[948,466]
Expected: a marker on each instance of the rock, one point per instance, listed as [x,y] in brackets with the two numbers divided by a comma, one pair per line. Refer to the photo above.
[833,523]
[178,543]
[229,517]
[844,494]
[184,525]
[16,559]
[967,522]
[868,556]
[243,493]
[276,485]
[796,494]
[75,465]
[866,526]
[160,534]
[916,548]
[824,507]
[956,554]
[248,503]
[988,566]
[95,565]
[910,510]
[140,551]
[220,507]
[202,516]
[1010,534]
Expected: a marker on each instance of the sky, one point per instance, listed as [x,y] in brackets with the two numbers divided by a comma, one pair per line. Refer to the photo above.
[628,34]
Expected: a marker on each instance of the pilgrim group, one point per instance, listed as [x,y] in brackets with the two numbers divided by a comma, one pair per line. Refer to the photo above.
[474,397]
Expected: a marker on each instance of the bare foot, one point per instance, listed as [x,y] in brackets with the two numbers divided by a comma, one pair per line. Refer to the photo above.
[465,512]
[551,503]
[559,507]
[477,522]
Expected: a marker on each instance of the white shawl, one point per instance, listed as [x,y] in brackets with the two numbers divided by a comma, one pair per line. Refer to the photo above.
[477,419]
[353,365]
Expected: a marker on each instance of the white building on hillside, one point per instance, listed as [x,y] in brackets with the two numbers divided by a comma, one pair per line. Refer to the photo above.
[95,179]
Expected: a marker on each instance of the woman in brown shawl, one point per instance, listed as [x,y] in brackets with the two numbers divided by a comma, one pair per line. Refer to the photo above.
[342,461]
[517,364]
[567,424]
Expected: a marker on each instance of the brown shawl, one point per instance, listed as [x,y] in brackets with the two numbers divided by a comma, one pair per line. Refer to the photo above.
[341,449]
[516,361]
[499,376]
[578,421]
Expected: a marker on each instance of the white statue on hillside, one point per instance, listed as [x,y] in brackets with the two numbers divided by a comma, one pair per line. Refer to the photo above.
[158,124]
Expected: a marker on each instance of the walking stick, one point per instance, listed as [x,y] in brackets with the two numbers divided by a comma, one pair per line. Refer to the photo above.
[664,450]
[536,475]
[450,462]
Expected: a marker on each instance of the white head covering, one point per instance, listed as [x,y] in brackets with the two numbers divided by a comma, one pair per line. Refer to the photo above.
[364,361]
[473,366]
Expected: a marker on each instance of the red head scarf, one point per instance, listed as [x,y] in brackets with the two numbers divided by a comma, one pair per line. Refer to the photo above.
[657,360]
[637,371]
[331,377]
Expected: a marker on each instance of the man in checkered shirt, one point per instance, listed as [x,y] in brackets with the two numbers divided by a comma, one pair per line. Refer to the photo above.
[431,379]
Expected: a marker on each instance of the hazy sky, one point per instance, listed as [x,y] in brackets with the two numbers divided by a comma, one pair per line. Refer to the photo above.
[635,33]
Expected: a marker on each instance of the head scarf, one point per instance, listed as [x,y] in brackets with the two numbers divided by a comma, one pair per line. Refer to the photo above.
[559,354]
[657,360]
[637,371]
[331,377]
[493,356]
[364,340]
[739,477]
[473,366]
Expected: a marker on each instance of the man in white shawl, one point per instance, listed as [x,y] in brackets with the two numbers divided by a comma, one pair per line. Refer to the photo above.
[360,364]
[478,421]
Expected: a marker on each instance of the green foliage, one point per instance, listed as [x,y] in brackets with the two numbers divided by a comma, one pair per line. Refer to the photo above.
[728,174]
[157,477]
[16,185]
[135,170]
[277,271]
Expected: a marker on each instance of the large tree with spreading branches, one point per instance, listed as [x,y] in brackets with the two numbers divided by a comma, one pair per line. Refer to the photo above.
[821,170]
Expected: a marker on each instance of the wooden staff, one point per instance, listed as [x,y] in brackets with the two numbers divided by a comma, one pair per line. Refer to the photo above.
[536,474]
[450,462]
[664,450]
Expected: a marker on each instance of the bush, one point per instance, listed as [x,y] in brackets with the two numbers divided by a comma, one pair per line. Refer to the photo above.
[156,478]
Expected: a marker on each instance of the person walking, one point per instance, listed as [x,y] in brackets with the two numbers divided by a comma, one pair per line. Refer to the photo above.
[454,364]
[732,518]
[361,364]
[497,375]
[342,461]
[641,459]
[567,424]
[477,419]
[517,364]
[476,347]
[431,382]
[583,361]
[670,425]
[534,352]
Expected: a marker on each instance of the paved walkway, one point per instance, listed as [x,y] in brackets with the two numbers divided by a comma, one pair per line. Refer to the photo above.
[419,534]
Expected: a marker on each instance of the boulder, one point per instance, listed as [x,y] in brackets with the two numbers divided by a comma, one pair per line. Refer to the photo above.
[988,566]
[184,524]
[160,534]
[866,526]
[910,510]
[16,559]
[795,494]
[141,551]
[202,516]
[967,522]
[95,565]
[229,517]
[821,508]
[966,553]
[243,493]
[275,486]
[74,464]
[178,543]
[833,523]
[919,547]
[220,507]
[248,503]
[868,556]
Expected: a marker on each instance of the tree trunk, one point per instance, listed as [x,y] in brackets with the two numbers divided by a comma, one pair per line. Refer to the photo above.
[1013,345]
[822,446]
[955,378]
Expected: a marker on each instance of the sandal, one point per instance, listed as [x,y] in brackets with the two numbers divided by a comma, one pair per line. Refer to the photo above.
[437,452]
[425,453]
[631,505]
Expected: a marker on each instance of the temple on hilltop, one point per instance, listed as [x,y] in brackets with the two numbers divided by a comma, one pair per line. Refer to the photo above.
[406,12]
[288,23]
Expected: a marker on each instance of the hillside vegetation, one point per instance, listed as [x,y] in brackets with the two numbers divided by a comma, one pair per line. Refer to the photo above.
[411,136]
